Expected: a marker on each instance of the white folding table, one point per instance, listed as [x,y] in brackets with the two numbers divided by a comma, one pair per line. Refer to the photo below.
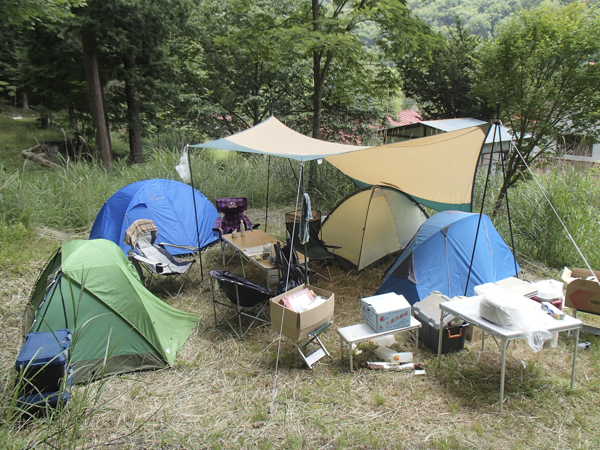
[363,332]
[468,309]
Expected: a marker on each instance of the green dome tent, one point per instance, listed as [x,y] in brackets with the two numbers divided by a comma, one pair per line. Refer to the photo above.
[118,325]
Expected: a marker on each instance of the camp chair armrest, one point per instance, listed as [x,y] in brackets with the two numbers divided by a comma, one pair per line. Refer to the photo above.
[332,246]
[187,247]
[142,259]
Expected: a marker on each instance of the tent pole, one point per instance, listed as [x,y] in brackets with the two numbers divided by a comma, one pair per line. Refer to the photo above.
[268,182]
[512,240]
[296,214]
[195,214]
[487,179]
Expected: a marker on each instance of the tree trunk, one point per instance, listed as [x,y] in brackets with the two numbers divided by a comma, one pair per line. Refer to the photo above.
[24,102]
[90,62]
[136,154]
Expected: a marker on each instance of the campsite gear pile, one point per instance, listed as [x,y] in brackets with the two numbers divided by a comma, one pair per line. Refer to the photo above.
[44,374]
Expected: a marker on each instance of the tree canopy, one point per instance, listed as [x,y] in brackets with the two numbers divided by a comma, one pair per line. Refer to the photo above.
[542,70]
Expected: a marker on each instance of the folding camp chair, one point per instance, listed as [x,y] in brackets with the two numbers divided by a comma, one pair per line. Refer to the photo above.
[247,300]
[316,250]
[233,214]
[292,273]
[151,257]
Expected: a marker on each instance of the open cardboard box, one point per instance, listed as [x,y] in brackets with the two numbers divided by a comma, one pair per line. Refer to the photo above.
[298,325]
[582,294]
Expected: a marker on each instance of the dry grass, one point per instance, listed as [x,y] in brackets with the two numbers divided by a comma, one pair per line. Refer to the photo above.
[220,393]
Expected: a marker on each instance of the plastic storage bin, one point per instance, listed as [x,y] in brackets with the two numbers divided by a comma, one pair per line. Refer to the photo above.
[43,360]
[427,311]
[39,402]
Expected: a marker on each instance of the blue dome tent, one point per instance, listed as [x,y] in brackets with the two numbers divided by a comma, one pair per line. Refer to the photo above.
[169,203]
[439,255]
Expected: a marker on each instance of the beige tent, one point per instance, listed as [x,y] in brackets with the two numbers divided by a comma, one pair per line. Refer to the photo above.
[371,223]
[437,171]
[271,137]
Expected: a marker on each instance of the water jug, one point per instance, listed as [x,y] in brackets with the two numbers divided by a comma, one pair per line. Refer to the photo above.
[392,356]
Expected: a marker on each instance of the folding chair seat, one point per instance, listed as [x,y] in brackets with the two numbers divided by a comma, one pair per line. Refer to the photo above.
[248,302]
[233,214]
[316,250]
[151,258]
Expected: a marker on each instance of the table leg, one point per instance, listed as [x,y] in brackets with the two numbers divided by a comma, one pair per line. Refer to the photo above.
[242,262]
[440,337]
[222,253]
[574,357]
[502,371]
[350,352]
[416,341]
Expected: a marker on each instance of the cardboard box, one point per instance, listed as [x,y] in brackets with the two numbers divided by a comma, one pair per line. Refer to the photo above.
[386,312]
[474,333]
[582,294]
[298,325]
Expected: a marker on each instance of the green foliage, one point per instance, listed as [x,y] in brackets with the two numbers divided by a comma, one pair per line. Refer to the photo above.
[480,17]
[443,84]
[540,69]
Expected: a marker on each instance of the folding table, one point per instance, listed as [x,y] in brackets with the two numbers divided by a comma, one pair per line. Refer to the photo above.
[250,247]
[363,332]
[468,309]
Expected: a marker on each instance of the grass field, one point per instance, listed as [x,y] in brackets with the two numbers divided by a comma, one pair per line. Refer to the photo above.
[221,392]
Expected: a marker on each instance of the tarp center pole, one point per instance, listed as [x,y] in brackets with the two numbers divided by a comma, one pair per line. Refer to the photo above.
[268,182]
[296,214]
[195,213]
[487,179]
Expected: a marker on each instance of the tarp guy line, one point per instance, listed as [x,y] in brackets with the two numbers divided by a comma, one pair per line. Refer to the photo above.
[274,389]
[556,213]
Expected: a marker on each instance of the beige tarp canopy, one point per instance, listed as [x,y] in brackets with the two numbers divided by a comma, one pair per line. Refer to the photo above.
[437,171]
[271,137]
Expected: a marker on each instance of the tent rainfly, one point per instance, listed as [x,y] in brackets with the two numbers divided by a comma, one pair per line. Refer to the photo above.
[169,203]
[370,224]
[441,254]
[436,171]
[118,325]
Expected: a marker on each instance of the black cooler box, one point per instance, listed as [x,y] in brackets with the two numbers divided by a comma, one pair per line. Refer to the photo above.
[43,361]
[427,311]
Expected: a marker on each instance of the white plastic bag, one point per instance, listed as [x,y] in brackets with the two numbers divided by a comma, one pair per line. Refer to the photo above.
[183,168]
[516,312]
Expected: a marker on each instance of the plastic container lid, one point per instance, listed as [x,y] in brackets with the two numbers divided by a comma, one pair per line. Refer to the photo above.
[44,348]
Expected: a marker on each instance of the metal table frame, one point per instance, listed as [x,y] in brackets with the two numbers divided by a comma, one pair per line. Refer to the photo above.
[464,308]
[363,332]
[252,239]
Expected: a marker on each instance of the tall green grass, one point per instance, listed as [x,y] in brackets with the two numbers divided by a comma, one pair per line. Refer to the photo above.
[70,197]
[574,193]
